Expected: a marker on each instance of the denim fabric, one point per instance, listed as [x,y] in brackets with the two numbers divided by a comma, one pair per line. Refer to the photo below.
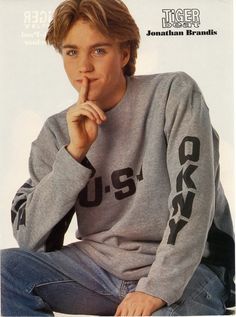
[69,282]
[204,295]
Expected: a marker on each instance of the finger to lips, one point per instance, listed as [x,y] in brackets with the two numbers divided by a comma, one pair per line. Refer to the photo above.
[83,99]
[83,94]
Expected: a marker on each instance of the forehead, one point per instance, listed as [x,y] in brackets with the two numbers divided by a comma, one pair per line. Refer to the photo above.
[83,33]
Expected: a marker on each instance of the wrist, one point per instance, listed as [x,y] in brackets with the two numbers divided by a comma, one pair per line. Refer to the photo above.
[77,153]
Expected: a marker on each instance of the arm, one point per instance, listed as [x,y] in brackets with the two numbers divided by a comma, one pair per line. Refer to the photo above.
[50,193]
[44,205]
[191,162]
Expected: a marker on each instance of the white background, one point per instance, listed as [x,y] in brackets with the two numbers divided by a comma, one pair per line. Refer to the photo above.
[34,86]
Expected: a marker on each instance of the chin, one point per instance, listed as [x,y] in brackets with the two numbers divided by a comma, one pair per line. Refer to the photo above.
[94,97]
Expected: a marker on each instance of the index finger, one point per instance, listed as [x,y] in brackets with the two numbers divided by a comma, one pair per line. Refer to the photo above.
[83,94]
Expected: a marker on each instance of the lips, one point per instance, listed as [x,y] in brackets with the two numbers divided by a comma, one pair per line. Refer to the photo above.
[91,80]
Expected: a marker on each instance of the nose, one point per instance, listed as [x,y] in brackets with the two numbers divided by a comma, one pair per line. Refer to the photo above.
[85,64]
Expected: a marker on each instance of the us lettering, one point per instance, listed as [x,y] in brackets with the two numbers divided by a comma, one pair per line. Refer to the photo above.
[123,184]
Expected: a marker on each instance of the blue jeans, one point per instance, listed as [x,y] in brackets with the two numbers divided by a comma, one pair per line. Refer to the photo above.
[68,281]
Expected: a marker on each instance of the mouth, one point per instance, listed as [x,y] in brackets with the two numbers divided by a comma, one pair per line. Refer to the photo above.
[92,80]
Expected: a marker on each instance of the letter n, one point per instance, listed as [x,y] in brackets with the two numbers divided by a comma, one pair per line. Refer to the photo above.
[185,206]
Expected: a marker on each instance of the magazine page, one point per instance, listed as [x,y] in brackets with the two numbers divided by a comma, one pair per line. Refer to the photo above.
[194,37]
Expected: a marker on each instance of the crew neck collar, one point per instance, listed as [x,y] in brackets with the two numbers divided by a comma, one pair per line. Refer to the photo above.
[117,108]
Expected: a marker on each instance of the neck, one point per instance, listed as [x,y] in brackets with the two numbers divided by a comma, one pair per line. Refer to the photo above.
[117,96]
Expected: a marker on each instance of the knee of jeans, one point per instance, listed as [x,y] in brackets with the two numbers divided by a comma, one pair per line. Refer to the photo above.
[10,258]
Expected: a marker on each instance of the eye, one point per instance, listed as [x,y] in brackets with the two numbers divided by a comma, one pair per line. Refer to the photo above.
[71,52]
[99,51]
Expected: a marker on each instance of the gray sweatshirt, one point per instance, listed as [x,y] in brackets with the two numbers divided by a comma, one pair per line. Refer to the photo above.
[149,203]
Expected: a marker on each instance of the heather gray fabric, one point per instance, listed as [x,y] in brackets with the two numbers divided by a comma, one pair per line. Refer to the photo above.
[149,203]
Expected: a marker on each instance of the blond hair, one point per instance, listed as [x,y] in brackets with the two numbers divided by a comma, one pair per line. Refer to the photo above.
[110,17]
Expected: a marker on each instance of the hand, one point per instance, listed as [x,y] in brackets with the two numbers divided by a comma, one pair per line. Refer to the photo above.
[83,119]
[139,304]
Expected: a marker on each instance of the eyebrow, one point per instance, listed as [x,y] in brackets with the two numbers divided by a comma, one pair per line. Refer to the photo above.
[73,46]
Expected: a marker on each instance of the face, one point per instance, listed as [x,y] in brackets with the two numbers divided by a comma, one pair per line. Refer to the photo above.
[88,53]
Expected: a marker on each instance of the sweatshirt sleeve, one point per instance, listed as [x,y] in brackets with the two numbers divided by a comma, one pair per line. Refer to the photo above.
[192,161]
[46,201]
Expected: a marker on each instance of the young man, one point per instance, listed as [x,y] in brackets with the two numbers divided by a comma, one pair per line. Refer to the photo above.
[137,160]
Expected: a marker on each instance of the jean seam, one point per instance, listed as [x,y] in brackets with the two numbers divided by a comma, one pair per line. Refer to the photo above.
[66,281]
[30,288]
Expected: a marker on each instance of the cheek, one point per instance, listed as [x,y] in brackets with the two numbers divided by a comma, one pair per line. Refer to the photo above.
[111,70]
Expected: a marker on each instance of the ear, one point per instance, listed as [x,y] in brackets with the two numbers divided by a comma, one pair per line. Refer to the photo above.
[125,55]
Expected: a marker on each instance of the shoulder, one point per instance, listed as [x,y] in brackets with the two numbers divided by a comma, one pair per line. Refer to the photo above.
[55,129]
[164,85]
[56,120]
[168,79]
